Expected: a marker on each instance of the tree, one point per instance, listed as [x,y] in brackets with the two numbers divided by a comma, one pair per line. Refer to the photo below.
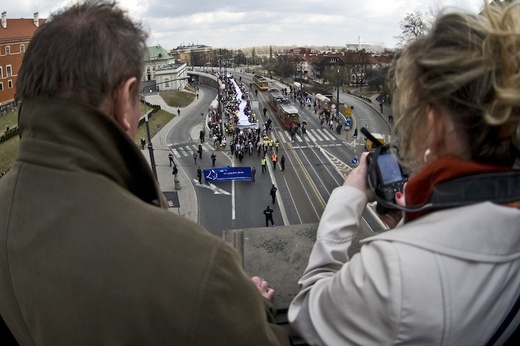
[198,58]
[376,77]
[240,58]
[412,26]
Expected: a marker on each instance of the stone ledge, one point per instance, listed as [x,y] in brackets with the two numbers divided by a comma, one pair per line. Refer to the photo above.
[280,254]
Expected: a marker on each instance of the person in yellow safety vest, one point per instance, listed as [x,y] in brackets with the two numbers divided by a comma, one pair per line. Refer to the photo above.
[274,158]
[263,162]
[276,145]
[271,142]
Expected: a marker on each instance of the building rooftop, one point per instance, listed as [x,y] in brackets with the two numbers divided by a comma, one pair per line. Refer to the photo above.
[157,53]
[15,30]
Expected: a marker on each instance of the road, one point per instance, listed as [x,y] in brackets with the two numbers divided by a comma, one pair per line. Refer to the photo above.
[316,163]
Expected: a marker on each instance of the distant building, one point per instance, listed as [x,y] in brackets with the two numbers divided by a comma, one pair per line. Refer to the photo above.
[15,35]
[303,51]
[156,58]
[171,77]
[375,47]
[193,55]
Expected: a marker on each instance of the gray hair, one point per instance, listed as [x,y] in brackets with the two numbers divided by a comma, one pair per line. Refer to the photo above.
[85,51]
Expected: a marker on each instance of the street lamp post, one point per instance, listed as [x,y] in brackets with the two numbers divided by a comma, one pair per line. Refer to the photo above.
[150,146]
[337,95]
[220,110]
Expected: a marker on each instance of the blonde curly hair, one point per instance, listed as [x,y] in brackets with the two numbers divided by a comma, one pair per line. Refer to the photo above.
[468,66]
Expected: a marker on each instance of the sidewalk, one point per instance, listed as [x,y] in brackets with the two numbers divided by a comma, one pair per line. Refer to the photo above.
[186,194]
[387,110]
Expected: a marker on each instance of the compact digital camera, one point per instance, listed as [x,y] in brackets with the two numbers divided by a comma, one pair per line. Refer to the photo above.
[386,176]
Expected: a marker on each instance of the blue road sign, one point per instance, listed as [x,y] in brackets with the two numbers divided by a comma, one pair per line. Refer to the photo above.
[228,173]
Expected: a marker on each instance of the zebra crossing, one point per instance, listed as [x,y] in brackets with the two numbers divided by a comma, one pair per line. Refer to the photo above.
[313,138]
[187,149]
[313,135]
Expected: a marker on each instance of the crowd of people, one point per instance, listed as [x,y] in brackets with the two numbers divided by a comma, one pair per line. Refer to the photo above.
[245,137]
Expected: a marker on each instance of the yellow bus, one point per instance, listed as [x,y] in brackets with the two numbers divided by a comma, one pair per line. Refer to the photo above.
[260,82]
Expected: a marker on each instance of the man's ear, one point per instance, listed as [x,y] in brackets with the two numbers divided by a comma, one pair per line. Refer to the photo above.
[124,103]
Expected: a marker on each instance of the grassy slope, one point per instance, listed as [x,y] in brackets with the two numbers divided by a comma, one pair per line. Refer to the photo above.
[9,149]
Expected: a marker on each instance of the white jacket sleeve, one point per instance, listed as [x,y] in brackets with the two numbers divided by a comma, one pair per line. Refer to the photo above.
[347,302]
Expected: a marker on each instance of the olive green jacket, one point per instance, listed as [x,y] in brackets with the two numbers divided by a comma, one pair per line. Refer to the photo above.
[90,254]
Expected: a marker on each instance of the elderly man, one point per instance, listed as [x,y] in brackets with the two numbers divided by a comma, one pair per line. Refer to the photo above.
[89,253]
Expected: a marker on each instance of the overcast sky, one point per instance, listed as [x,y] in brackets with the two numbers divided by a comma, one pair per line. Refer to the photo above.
[236,24]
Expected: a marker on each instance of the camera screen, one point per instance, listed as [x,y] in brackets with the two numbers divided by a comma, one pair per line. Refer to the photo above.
[389,169]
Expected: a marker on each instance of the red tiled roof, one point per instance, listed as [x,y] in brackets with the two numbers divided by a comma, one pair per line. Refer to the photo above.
[18,30]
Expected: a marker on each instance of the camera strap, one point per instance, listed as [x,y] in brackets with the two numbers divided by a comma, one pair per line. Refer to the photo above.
[500,188]
[496,187]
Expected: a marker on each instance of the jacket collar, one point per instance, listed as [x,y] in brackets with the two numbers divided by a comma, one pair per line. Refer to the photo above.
[420,187]
[70,135]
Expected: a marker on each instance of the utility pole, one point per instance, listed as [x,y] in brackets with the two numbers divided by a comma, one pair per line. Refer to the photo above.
[150,146]
[337,95]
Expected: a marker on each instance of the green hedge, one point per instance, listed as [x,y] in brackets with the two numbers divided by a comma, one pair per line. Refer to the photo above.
[9,134]
[155,109]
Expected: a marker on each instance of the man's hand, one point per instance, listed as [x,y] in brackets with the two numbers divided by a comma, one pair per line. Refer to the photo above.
[264,287]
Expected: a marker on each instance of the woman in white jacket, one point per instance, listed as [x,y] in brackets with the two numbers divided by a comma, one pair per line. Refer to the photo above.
[444,276]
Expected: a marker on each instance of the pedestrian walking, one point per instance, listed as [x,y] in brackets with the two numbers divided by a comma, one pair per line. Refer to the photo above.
[143,143]
[282,163]
[268,212]
[202,135]
[199,175]
[263,163]
[178,111]
[273,194]
[253,172]
[274,159]
[174,172]
[170,157]
[213,159]
[195,157]
[200,151]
